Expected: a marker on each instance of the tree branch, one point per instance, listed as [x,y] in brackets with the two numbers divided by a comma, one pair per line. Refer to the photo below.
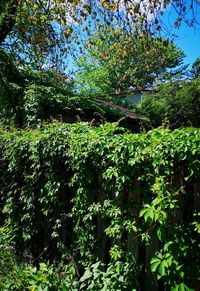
[8,10]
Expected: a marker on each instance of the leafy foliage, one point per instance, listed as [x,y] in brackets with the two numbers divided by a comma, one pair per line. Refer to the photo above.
[48,33]
[196,69]
[29,97]
[25,276]
[41,31]
[91,194]
[116,61]
[179,102]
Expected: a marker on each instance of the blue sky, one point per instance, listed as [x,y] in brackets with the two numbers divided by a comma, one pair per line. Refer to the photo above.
[188,38]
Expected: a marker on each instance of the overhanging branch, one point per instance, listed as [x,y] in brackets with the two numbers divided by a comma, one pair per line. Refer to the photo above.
[8,10]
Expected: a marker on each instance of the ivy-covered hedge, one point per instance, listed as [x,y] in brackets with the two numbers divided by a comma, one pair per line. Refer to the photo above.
[123,208]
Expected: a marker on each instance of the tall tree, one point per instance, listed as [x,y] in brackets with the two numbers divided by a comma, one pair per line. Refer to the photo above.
[115,62]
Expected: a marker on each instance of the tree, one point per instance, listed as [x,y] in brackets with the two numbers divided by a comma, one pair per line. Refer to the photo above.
[27,95]
[32,29]
[8,11]
[41,30]
[179,102]
[196,69]
[114,62]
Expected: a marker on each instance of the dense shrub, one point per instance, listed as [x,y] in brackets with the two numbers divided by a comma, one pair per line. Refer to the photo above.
[128,202]
[28,97]
[25,276]
[178,102]
[46,276]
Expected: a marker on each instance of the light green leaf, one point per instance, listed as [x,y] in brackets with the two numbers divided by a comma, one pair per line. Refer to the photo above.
[154,266]
[161,234]
[155,260]
[161,269]
[96,265]
[86,276]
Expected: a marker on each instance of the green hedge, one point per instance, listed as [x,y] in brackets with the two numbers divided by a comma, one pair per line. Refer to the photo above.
[127,201]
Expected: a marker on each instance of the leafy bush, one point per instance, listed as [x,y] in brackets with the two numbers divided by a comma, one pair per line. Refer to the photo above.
[178,102]
[27,98]
[117,276]
[24,276]
[18,106]
[102,195]
[15,276]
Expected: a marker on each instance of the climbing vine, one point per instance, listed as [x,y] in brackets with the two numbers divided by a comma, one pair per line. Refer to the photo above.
[121,206]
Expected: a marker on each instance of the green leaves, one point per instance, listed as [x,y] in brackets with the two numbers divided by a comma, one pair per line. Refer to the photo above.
[116,61]
[155,262]
[161,263]
[106,185]
[161,233]
[177,104]
[148,214]
[86,276]
[181,287]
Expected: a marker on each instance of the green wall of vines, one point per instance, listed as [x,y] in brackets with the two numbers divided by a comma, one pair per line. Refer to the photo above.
[102,195]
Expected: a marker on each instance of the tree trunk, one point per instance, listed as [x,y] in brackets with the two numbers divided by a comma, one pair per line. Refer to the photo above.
[8,11]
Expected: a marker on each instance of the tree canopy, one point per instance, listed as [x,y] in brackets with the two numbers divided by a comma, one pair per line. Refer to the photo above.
[176,103]
[115,61]
[196,68]
[41,31]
